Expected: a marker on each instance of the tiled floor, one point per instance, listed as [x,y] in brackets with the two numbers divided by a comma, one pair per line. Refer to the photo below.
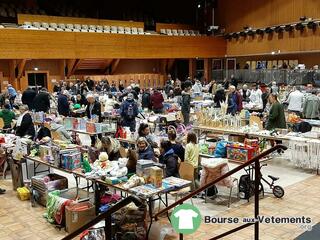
[18,220]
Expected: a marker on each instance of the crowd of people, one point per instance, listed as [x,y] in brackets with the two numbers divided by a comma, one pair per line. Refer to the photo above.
[131,99]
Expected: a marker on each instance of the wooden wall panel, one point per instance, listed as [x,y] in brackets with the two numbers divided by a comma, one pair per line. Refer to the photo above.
[235,14]
[295,42]
[19,43]
[173,26]
[89,21]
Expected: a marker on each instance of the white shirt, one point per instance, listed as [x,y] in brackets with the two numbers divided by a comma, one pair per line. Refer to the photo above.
[186,218]
[295,101]
[256,98]
[197,88]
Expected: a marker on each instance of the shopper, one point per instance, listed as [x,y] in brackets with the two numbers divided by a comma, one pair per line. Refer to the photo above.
[185,105]
[234,81]
[145,151]
[192,150]
[41,102]
[295,101]
[129,112]
[80,99]
[234,101]
[28,96]
[157,101]
[169,158]
[177,147]
[276,118]
[12,94]
[220,96]
[265,97]
[274,88]
[57,128]
[63,104]
[111,146]
[144,131]
[145,101]
[245,93]
[7,116]
[256,97]
[24,125]
[197,88]
[311,108]
[93,110]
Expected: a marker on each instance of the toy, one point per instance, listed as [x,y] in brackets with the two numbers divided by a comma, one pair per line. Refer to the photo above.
[133,182]
[103,161]
[120,169]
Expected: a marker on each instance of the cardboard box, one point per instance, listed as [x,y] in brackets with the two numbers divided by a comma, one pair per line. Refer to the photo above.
[78,215]
[156,175]
[241,153]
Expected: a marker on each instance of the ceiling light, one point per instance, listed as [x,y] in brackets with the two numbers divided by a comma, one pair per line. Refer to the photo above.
[36,69]
[269,29]
[279,29]
[289,27]
[260,31]
[273,53]
[235,35]
[312,25]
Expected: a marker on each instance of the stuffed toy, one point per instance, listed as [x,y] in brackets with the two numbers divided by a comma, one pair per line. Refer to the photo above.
[102,162]
[120,169]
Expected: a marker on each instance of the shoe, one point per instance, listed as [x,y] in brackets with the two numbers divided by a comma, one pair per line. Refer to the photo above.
[2,191]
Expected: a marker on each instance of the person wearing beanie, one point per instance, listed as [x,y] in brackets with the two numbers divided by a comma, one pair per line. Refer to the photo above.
[129,112]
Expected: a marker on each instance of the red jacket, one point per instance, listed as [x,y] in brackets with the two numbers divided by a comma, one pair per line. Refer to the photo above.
[157,100]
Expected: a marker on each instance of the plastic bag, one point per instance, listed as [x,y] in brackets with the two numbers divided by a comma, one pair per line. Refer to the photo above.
[221,149]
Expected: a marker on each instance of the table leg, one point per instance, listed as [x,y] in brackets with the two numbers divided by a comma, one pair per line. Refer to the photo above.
[150,215]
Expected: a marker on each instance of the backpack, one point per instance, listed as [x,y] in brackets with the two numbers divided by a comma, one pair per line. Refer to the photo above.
[302,127]
[246,187]
[129,111]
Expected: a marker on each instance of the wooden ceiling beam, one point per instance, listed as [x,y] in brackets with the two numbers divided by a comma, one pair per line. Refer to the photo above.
[21,67]
[106,68]
[114,65]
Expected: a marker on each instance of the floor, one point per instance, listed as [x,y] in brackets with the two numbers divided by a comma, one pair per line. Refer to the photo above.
[18,220]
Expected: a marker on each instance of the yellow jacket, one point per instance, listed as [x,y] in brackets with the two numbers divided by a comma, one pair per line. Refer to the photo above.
[192,154]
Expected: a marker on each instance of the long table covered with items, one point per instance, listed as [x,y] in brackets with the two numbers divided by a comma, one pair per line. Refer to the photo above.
[147,182]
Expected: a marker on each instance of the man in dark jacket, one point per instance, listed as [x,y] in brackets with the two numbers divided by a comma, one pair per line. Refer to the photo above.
[24,124]
[129,112]
[93,108]
[169,158]
[219,96]
[41,102]
[145,102]
[28,96]
[157,101]
[185,105]
[63,104]
[90,83]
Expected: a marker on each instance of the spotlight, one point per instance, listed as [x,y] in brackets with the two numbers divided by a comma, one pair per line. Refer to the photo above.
[235,35]
[312,25]
[228,36]
[199,5]
[303,18]
[289,27]
[243,34]
[260,31]
[301,26]
[251,32]
[279,29]
[269,30]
